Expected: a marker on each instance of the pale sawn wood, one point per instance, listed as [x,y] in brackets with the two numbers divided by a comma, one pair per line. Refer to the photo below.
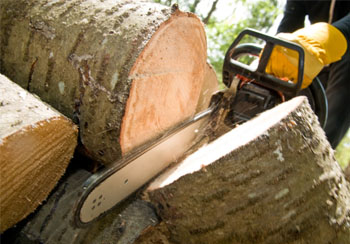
[124,71]
[36,145]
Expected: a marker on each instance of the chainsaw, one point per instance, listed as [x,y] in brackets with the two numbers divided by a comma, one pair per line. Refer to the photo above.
[250,91]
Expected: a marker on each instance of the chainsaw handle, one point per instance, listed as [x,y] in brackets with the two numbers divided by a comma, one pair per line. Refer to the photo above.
[232,66]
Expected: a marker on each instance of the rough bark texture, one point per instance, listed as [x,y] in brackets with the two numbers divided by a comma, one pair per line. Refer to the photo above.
[36,145]
[278,183]
[271,180]
[53,222]
[347,172]
[110,66]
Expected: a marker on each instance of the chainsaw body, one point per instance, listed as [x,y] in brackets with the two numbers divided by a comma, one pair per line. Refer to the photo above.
[257,91]
[251,91]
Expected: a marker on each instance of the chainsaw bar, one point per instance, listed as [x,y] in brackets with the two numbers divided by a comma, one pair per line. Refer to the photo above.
[104,190]
[250,91]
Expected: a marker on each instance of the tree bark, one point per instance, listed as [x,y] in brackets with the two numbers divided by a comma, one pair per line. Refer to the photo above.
[193,6]
[347,172]
[53,222]
[211,11]
[124,71]
[273,179]
[36,145]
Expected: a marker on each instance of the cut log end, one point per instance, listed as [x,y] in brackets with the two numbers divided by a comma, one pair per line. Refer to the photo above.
[283,186]
[227,143]
[35,152]
[167,80]
[133,69]
[209,87]
[273,179]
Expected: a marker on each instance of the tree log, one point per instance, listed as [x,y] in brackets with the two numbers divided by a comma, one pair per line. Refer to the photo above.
[273,179]
[53,222]
[124,71]
[36,145]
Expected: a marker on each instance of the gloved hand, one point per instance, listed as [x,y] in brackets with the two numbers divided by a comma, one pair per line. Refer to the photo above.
[322,43]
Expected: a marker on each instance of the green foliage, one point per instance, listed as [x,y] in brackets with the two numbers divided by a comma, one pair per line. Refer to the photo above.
[259,15]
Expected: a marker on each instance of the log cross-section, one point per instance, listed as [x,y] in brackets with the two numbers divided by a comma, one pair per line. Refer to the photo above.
[125,71]
[273,179]
[36,145]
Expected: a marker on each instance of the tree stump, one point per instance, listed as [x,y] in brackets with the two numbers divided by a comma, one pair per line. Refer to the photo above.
[273,179]
[36,145]
[125,71]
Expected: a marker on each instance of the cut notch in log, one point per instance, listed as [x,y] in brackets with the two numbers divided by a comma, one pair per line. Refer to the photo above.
[273,179]
[236,199]
[132,69]
[36,145]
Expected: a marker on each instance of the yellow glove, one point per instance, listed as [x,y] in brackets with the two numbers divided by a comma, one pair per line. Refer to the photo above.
[322,43]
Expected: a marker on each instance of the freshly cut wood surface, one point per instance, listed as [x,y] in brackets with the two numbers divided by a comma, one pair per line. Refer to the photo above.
[36,145]
[209,87]
[273,179]
[125,71]
[167,80]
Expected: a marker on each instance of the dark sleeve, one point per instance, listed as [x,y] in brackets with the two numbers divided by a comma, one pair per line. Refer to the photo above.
[344,26]
[293,18]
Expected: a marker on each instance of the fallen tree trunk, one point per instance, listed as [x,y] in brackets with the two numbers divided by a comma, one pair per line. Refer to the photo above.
[53,222]
[124,71]
[271,180]
[36,145]
[274,179]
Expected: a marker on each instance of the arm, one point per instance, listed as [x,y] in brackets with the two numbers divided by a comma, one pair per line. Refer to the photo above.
[293,18]
[344,26]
